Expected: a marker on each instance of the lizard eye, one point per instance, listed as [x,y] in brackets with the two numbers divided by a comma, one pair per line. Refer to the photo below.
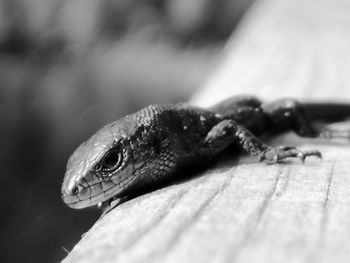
[111,160]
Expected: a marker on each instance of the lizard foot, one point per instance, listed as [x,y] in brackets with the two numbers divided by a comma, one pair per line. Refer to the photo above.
[275,155]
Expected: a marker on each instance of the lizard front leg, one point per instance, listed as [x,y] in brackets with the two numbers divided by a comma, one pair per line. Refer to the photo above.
[228,131]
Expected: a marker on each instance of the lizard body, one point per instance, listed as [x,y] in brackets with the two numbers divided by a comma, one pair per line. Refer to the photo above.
[152,144]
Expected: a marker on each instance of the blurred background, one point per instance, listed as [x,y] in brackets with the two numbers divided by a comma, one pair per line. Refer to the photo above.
[67,68]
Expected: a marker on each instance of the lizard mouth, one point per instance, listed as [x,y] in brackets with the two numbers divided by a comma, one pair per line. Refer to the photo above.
[100,193]
[84,199]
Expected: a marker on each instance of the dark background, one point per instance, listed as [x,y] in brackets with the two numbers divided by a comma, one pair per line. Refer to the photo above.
[67,68]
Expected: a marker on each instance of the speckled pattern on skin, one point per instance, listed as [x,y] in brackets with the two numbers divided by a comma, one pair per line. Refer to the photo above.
[154,143]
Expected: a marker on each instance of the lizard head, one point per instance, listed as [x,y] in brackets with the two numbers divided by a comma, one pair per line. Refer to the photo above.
[104,166]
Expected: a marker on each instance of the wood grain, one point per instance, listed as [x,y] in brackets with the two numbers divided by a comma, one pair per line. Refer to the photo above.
[240,211]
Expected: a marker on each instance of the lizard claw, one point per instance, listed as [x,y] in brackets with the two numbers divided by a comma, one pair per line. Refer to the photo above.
[275,155]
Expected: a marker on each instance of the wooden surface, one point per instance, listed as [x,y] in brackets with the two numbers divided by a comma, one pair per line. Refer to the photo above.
[290,48]
[240,211]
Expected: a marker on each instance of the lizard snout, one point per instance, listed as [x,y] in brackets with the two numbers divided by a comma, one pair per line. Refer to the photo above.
[72,194]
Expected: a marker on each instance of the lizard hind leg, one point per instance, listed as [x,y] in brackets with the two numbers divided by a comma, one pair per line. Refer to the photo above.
[288,114]
[228,131]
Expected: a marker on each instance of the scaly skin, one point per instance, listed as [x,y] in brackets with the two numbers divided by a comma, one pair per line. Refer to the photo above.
[152,144]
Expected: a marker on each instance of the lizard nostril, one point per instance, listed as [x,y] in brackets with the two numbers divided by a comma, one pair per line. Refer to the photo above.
[73,189]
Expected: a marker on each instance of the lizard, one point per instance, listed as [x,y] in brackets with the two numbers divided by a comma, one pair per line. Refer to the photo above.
[153,144]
